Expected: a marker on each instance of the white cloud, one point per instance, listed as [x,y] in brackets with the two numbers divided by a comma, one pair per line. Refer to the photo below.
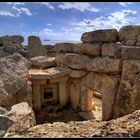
[22,10]
[81,6]
[49,24]
[125,3]
[114,20]
[15,3]
[46,4]
[5,13]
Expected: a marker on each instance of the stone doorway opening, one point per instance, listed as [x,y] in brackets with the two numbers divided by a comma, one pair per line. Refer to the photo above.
[97,101]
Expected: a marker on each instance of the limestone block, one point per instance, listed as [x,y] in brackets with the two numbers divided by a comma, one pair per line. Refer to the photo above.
[88,48]
[36,96]
[77,73]
[35,47]
[74,94]
[76,61]
[62,93]
[104,36]
[128,97]
[111,50]
[43,61]
[131,42]
[130,52]
[17,39]
[128,34]
[13,78]
[104,65]
[64,47]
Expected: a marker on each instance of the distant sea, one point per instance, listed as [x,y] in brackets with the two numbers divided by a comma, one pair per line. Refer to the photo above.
[53,42]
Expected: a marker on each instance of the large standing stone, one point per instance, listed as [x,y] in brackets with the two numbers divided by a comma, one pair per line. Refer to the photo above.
[88,48]
[130,52]
[35,47]
[74,89]
[13,77]
[107,86]
[128,96]
[111,50]
[128,35]
[104,36]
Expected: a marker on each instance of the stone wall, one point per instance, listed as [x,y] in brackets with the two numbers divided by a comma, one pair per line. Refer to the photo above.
[108,62]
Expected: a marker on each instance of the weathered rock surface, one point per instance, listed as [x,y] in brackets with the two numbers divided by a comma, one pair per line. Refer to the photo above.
[25,94]
[13,77]
[49,48]
[77,74]
[74,93]
[3,53]
[6,40]
[64,47]
[12,44]
[5,123]
[88,48]
[22,116]
[127,126]
[10,40]
[129,35]
[104,65]
[130,52]
[17,39]
[43,61]
[12,48]
[111,50]
[87,115]
[73,60]
[104,36]
[128,96]
[83,62]
[35,47]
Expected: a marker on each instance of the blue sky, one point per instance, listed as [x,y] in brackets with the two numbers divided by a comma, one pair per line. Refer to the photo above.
[65,21]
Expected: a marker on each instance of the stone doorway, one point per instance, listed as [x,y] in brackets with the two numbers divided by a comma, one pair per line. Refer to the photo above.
[97,101]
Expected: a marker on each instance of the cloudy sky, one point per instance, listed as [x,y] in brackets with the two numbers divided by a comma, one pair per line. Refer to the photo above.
[65,21]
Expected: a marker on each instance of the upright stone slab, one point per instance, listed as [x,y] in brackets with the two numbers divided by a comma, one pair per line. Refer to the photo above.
[62,93]
[128,96]
[74,90]
[35,47]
